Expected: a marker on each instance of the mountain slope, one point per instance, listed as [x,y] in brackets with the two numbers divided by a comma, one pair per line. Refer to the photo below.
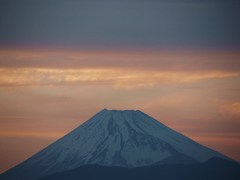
[215,168]
[114,138]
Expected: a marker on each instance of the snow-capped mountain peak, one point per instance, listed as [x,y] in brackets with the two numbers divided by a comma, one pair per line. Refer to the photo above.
[127,138]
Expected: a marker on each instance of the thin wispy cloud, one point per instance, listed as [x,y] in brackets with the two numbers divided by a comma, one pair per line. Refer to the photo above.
[118,78]
[145,59]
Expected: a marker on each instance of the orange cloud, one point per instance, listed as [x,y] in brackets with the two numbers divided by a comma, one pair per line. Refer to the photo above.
[119,78]
[90,59]
[31,134]
[121,69]
[232,109]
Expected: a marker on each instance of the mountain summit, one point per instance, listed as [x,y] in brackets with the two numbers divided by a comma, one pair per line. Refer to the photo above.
[126,138]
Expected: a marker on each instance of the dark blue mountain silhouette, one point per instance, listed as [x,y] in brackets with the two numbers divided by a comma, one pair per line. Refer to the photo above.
[213,169]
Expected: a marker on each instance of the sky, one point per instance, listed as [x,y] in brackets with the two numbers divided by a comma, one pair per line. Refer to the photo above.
[63,61]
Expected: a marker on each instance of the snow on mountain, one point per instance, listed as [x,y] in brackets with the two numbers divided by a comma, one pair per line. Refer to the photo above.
[114,138]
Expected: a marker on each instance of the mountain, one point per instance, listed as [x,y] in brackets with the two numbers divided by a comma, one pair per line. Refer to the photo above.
[213,169]
[114,138]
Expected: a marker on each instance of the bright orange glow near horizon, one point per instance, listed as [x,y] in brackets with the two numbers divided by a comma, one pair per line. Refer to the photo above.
[47,93]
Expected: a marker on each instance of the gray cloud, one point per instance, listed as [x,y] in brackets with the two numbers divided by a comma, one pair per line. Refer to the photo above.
[120,24]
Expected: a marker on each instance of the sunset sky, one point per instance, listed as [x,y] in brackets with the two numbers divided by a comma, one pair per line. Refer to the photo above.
[63,61]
